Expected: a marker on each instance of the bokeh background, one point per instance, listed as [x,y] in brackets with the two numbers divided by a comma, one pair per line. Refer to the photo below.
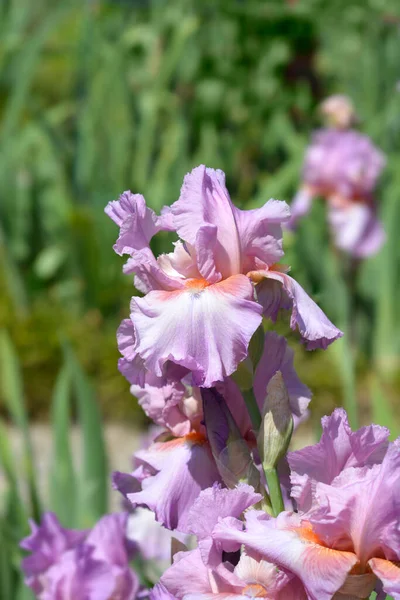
[101,96]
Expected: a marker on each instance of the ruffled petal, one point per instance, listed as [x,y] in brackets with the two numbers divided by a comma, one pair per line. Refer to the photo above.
[290,543]
[204,200]
[260,233]
[163,400]
[362,509]
[138,223]
[339,448]
[315,328]
[47,542]
[149,274]
[80,576]
[389,573]
[131,365]
[187,574]
[212,505]
[183,468]
[204,328]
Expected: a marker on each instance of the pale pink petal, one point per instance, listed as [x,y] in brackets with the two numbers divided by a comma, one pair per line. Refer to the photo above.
[261,573]
[260,233]
[357,230]
[204,328]
[212,505]
[181,263]
[389,574]
[138,223]
[160,592]
[206,241]
[315,328]
[162,401]
[131,365]
[338,449]
[148,273]
[290,543]
[188,574]
[361,509]
[108,538]
[183,468]
[204,200]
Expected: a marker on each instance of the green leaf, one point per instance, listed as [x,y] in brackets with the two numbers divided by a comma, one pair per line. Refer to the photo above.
[12,389]
[94,479]
[62,477]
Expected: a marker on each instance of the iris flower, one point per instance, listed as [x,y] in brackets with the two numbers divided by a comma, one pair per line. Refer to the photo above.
[203,302]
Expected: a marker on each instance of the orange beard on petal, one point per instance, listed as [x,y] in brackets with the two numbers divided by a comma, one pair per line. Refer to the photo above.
[197,285]
[307,533]
[194,437]
[254,590]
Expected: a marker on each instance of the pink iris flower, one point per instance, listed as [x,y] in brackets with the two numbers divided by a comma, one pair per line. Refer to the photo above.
[210,573]
[80,565]
[179,465]
[203,301]
[345,540]
[343,167]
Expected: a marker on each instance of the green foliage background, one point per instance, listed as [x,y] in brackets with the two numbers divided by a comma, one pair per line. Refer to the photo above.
[101,96]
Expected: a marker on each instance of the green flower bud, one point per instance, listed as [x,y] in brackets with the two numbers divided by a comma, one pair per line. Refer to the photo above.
[277,423]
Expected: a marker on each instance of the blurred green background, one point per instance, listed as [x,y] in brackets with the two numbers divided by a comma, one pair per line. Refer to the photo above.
[97,97]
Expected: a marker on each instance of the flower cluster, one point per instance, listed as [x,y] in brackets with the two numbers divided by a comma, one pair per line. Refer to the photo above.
[343,166]
[80,565]
[216,486]
[342,542]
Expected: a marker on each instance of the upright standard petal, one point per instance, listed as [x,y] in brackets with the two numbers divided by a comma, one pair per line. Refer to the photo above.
[260,233]
[338,449]
[315,328]
[204,200]
[204,328]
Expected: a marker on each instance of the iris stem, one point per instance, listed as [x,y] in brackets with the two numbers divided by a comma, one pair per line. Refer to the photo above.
[275,492]
[271,474]
[252,409]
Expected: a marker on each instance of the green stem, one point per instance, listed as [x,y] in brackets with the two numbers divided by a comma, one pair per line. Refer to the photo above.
[252,408]
[275,492]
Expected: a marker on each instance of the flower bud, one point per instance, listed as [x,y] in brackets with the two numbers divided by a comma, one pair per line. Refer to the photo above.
[339,111]
[230,451]
[277,423]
